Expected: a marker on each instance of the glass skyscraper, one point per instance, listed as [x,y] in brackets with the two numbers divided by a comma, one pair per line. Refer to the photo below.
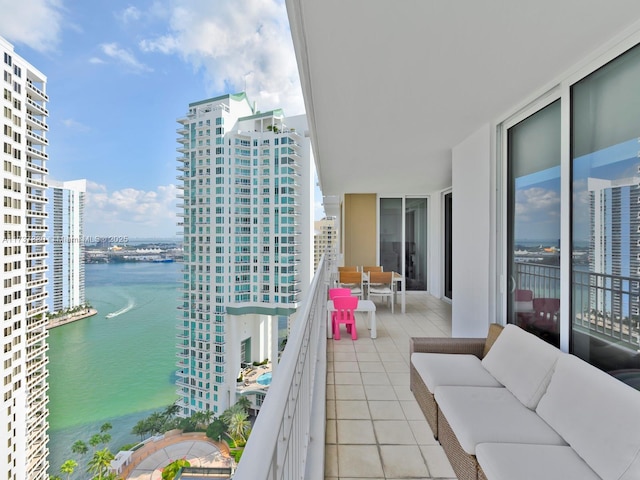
[245,208]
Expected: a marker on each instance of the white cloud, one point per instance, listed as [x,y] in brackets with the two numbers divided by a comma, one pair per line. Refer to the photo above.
[75,125]
[35,23]
[129,14]
[112,50]
[130,212]
[240,45]
[96,60]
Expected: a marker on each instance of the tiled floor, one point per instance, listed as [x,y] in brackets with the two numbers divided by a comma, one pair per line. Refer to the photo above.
[375,429]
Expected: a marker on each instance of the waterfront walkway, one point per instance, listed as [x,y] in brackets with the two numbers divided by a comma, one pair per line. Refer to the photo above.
[56,322]
[147,462]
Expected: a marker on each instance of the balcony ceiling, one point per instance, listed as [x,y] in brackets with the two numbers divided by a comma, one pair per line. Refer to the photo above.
[391,86]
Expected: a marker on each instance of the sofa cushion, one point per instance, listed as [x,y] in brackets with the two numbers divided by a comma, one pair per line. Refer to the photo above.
[438,369]
[509,461]
[492,335]
[523,363]
[597,415]
[485,414]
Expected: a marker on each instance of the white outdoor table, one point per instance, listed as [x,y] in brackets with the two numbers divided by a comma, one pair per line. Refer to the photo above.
[363,306]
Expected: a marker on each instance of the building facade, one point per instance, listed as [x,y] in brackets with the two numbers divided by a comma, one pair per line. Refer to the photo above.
[246,186]
[23,413]
[324,239]
[65,259]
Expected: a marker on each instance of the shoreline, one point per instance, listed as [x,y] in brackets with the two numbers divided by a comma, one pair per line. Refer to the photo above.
[89,312]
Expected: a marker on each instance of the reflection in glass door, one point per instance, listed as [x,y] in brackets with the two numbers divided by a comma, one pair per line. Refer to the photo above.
[416,243]
[391,234]
[605,149]
[533,226]
[403,239]
[448,245]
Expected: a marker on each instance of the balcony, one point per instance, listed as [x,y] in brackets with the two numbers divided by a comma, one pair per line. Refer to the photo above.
[343,409]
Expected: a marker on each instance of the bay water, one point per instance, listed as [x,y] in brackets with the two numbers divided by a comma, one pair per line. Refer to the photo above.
[117,366]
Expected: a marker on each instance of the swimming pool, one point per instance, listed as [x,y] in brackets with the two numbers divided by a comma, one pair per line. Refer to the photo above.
[264,379]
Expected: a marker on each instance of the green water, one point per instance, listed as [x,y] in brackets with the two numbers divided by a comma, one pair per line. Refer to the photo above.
[117,369]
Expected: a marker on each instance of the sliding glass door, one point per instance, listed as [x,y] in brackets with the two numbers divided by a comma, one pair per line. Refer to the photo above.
[587,186]
[605,151]
[533,226]
[403,239]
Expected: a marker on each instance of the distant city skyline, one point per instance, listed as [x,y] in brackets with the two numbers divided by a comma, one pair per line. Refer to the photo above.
[121,74]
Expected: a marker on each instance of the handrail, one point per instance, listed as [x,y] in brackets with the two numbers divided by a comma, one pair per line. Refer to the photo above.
[287,440]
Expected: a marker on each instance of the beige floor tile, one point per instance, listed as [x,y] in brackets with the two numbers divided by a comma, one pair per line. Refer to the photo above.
[379,392]
[331,409]
[370,367]
[352,409]
[356,432]
[350,392]
[422,432]
[403,392]
[359,461]
[346,367]
[331,461]
[411,410]
[396,367]
[368,356]
[437,461]
[403,461]
[345,356]
[375,378]
[393,432]
[386,410]
[330,436]
[347,378]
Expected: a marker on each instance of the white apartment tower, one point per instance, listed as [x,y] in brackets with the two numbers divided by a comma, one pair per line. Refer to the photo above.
[324,239]
[66,244]
[246,208]
[23,413]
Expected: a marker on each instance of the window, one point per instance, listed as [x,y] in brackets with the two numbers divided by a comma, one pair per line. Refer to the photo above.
[533,231]
[605,152]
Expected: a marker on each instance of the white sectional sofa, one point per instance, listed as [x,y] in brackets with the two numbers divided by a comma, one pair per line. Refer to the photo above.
[512,407]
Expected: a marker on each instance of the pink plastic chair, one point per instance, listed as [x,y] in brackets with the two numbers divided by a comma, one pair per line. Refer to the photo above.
[337,292]
[345,313]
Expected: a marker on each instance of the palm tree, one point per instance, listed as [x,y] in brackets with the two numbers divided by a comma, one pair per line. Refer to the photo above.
[245,403]
[79,447]
[68,467]
[105,427]
[95,440]
[156,423]
[239,426]
[140,428]
[100,462]
[171,410]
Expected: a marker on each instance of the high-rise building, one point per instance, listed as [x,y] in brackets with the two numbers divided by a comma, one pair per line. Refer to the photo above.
[246,208]
[23,412]
[614,222]
[324,239]
[65,259]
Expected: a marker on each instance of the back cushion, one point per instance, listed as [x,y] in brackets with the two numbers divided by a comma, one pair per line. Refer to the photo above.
[597,415]
[522,363]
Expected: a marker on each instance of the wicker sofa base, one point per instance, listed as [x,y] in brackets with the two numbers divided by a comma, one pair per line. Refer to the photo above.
[481,475]
[464,465]
[426,400]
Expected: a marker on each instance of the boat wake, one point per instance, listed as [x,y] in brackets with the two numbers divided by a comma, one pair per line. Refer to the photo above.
[129,306]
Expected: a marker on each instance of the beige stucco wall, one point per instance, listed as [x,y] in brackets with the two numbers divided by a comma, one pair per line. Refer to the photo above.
[359,227]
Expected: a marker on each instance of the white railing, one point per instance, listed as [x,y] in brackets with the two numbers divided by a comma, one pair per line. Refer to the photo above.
[288,439]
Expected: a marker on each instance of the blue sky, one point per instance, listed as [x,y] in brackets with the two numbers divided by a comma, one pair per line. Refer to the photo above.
[120,73]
